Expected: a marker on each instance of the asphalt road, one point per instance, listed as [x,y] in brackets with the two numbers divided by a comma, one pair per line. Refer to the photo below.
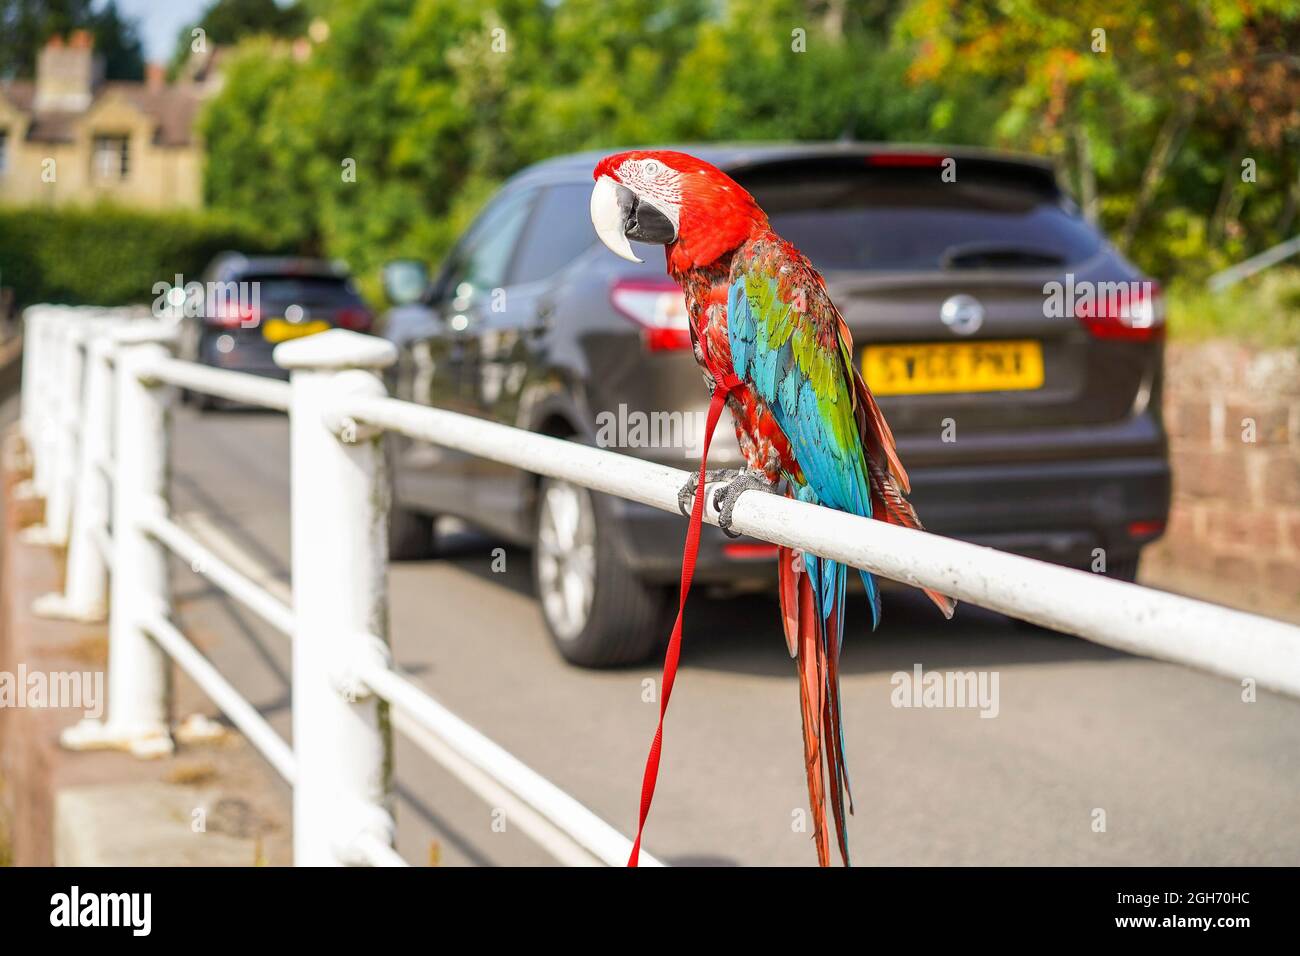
[1093,757]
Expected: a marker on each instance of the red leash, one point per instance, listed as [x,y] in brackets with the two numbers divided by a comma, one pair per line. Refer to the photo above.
[725,385]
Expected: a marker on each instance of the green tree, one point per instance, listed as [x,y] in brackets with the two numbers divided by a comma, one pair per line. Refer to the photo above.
[226,22]
[387,131]
[1148,106]
[256,169]
[25,26]
[435,102]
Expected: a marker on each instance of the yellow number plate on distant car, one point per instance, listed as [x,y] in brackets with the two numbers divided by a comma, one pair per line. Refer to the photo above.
[280,330]
[1015,365]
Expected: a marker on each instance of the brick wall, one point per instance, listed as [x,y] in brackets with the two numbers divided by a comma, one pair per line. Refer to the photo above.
[1233,415]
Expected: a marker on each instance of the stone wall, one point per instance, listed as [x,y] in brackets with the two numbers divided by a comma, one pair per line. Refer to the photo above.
[1233,415]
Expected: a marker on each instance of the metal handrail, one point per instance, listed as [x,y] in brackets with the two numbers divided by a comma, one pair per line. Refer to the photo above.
[223,383]
[243,714]
[1124,616]
[124,367]
[202,560]
[338,409]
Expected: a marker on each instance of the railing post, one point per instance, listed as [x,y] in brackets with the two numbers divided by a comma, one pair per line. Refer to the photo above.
[339,503]
[62,427]
[42,395]
[85,593]
[138,669]
[34,317]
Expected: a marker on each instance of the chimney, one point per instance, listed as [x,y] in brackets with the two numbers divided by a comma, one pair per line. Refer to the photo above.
[67,73]
[155,77]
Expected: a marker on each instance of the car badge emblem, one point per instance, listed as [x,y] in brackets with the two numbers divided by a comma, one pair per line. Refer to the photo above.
[963,314]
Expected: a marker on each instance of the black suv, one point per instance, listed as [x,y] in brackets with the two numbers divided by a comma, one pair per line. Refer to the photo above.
[250,304]
[1015,352]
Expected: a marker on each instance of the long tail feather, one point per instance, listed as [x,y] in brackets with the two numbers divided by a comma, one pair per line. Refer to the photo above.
[811,682]
[812,607]
[833,731]
[788,592]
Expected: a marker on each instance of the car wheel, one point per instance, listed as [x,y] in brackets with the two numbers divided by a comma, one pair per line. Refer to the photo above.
[410,534]
[598,612]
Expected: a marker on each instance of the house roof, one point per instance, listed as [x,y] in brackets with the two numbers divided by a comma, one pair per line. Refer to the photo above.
[19,93]
[172,108]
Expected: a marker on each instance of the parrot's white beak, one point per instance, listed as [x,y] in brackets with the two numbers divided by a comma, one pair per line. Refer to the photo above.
[609,212]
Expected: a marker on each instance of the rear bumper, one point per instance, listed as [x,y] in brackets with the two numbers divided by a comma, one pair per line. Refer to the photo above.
[1056,511]
[247,355]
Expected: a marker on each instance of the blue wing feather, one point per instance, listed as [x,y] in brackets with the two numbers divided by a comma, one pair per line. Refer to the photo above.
[834,476]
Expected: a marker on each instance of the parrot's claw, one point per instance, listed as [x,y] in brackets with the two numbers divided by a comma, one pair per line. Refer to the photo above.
[725,498]
[686,497]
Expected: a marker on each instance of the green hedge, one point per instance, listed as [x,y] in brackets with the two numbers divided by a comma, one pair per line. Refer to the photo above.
[1263,310]
[109,256]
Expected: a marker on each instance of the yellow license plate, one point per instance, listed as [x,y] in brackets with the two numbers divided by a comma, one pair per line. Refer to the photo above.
[1004,366]
[281,330]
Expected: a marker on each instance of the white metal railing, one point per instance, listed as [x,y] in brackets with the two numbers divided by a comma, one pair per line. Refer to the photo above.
[338,409]
[1258,263]
[119,532]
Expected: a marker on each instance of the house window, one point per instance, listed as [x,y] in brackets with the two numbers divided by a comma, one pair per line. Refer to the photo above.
[110,159]
[4,151]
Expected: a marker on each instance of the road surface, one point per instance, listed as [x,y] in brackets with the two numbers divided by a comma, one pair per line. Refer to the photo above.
[1093,757]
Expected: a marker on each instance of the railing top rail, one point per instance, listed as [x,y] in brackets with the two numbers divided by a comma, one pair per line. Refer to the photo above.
[206,564]
[235,706]
[587,830]
[1119,615]
[224,383]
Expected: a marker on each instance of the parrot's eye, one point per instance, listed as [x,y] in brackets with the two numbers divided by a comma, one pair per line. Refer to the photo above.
[652,168]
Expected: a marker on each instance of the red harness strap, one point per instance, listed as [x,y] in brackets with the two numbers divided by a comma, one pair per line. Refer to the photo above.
[724,386]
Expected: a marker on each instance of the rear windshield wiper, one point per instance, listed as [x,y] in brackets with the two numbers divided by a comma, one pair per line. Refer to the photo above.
[998,255]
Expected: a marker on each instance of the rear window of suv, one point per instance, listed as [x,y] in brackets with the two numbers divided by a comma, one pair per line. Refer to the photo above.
[281,287]
[908,219]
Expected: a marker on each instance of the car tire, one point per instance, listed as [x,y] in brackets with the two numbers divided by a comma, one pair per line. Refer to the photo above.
[410,534]
[597,610]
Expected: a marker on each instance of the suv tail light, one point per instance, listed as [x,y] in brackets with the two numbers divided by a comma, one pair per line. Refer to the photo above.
[658,308]
[904,159]
[355,318]
[233,315]
[1133,313]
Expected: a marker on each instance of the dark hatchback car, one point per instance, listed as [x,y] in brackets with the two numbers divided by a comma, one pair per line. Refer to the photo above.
[1027,410]
[252,304]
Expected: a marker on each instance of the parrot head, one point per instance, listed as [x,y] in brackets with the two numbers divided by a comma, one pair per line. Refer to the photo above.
[671,199]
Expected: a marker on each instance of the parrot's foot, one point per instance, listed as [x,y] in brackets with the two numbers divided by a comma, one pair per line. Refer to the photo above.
[686,496]
[725,498]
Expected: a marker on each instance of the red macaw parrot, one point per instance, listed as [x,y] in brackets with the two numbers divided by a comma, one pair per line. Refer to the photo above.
[806,422]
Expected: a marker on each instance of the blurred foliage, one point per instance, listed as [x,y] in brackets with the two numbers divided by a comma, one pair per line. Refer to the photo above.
[226,22]
[1154,111]
[1263,310]
[435,102]
[25,25]
[436,109]
[103,255]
